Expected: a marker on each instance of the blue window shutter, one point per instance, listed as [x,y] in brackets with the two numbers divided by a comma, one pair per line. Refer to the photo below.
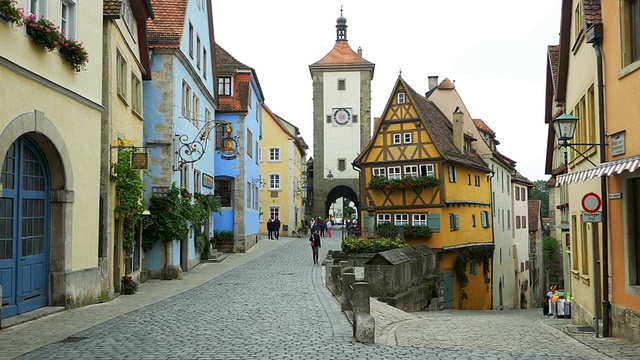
[433,222]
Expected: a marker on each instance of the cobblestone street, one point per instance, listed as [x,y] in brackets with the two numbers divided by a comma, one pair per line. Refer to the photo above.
[270,304]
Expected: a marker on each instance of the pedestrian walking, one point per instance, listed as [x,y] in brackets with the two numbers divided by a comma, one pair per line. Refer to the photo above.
[328,224]
[270,228]
[312,225]
[314,239]
[320,226]
[276,228]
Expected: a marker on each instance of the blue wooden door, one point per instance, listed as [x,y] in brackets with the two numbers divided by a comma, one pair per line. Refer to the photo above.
[448,290]
[24,229]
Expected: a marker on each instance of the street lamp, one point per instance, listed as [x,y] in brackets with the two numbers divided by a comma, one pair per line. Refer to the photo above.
[565,128]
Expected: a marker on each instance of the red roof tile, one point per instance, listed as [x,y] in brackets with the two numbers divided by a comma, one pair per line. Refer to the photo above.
[111,7]
[447,84]
[165,30]
[592,12]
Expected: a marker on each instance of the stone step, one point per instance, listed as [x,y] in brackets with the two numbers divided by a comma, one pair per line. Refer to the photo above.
[215,256]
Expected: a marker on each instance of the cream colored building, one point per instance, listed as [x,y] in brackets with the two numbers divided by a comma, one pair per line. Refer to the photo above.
[126,65]
[50,141]
[283,156]
[573,75]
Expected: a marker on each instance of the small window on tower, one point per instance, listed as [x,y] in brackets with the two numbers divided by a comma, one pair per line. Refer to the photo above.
[328,119]
[401,98]
[342,164]
[354,118]
[342,84]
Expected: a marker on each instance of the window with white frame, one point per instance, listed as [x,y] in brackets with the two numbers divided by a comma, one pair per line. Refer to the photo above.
[401,98]
[484,218]
[379,172]
[427,170]
[274,211]
[411,170]
[274,154]
[198,51]
[477,180]
[257,151]
[453,175]
[121,75]
[190,40]
[186,100]
[469,179]
[419,220]
[68,20]
[38,8]
[454,222]
[204,62]
[249,143]
[274,181]
[249,193]
[224,86]
[407,138]
[509,219]
[401,219]
[196,110]
[342,84]
[256,194]
[197,181]
[630,32]
[260,154]
[383,219]
[473,220]
[136,94]
[207,121]
[397,139]
[394,172]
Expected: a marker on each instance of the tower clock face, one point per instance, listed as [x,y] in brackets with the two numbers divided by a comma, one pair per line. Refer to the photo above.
[341,116]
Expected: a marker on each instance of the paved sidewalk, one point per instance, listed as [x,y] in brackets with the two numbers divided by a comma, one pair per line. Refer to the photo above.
[28,336]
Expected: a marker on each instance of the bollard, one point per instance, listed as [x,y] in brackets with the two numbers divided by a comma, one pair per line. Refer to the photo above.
[327,272]
[363,322]
[335,279]
[348,279]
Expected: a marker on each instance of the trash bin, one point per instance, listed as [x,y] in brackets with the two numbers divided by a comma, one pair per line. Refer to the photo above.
[567,310]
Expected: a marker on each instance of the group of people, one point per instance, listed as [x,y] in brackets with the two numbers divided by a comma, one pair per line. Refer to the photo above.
[273,227]
[323,226]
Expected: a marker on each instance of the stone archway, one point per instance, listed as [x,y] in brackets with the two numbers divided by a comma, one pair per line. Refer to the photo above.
[46,136]
[338,192]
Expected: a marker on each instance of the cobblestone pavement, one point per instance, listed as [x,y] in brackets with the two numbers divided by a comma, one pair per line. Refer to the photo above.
[270,304]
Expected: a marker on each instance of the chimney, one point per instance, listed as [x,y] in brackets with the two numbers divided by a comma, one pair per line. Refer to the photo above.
[359,51]
[433,82]
[458,125]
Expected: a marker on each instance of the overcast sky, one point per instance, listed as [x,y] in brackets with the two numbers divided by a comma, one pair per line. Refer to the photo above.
[494,50]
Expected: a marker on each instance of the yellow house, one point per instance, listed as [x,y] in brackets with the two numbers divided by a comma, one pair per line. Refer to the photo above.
[50,128]
[419,169]
[282,167]
[126,60]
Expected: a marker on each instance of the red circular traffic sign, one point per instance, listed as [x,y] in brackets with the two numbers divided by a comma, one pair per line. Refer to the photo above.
[591,202]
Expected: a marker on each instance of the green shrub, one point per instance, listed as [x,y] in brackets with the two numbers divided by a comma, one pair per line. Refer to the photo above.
[223,236]
[360,245]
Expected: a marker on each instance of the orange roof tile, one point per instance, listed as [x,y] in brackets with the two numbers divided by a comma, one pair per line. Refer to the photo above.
[111,7]
[447,84]
[165,30]
[592,12]
[342,54]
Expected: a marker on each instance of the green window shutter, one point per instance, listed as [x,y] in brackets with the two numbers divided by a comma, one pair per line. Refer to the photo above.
[433,221]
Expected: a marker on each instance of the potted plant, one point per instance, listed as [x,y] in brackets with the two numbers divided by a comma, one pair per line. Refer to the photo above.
[43,32]
[74,52]
[9,11]
[129,286]
[202,246]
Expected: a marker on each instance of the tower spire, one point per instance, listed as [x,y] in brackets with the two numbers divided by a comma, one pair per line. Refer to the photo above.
[341,27]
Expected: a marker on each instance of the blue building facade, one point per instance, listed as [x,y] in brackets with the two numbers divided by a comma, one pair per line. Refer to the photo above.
[237,173]
[180,106]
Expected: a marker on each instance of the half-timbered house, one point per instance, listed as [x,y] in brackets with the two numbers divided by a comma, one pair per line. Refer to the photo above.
[419,169]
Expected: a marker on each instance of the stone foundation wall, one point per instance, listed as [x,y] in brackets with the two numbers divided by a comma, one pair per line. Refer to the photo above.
[625,323]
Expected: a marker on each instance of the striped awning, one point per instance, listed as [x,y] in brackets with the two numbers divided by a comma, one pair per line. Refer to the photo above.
[605,169]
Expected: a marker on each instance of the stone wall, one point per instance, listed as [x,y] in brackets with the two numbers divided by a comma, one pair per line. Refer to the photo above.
[625,323]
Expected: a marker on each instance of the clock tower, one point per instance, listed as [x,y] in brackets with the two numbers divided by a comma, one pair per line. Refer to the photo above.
[341,122]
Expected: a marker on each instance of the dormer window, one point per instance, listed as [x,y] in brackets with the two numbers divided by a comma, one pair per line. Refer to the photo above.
[224,85]
[401,98]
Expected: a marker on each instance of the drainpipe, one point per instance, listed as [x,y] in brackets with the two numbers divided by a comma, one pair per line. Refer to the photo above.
[606,305]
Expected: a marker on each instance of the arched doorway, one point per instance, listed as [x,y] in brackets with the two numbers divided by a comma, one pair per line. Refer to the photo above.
[24,228]
[337,193]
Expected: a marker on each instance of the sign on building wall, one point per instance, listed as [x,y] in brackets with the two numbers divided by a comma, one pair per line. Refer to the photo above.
[617,143]
[207,180]
[140,160]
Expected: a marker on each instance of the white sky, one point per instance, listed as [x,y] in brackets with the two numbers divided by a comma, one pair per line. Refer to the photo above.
[495,51]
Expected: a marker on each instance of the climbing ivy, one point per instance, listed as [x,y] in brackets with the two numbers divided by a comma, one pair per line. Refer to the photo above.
[129,190]
[171,215]
[479,254]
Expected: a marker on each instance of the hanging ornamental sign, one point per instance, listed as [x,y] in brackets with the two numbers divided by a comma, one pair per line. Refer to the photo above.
[139,160]
[229,150]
